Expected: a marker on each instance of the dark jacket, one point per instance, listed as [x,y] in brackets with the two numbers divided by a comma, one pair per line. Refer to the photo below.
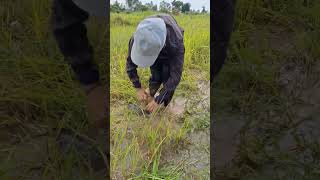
[70,33]
[223,17]
[172,55]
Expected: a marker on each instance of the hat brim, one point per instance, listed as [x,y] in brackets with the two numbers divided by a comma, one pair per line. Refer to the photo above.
[140,60]
[93,7]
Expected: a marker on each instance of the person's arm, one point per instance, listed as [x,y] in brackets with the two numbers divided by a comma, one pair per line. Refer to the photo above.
[132,68]
[176,67]
[70,33]
[223,16]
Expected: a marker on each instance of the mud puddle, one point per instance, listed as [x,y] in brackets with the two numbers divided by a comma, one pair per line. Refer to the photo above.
[300,89]
[297,142]
[226,140]
[193,156]
[177,106]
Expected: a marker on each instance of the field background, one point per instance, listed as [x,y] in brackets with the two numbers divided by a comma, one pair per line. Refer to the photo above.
[268,89]
[39,95]
[266,99]
[164,145]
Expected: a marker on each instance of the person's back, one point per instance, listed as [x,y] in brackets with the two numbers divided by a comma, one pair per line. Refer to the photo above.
[166,64]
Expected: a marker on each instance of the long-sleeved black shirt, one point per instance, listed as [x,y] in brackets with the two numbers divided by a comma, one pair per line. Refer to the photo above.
[223,17]
[172,54]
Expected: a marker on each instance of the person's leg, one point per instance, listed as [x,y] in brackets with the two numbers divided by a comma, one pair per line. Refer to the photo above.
[155,79]
[223,16]
[165,74]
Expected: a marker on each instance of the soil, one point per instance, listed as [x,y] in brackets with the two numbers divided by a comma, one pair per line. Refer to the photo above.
[194,154]
[300,86]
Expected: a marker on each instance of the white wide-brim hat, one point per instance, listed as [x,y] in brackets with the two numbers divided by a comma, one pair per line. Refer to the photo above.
[148,41]
[93,7]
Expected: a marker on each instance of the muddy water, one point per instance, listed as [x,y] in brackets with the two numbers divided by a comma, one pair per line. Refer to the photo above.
[226,140]
[302,91]
[194,155]
[297,141]
[177,106]
[307,106]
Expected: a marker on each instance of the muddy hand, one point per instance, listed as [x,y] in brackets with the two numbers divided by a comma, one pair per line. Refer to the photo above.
[152,106]
[150,98]
[97,104]
[142,95]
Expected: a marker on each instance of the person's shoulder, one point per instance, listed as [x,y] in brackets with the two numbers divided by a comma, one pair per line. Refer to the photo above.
[166,17]
[131,40]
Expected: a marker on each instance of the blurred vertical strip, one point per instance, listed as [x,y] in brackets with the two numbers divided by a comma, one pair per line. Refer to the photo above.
[108,86]
[221,26]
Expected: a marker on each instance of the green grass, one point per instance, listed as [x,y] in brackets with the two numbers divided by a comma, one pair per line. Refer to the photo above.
[268,35]
[139,143]
[39,93]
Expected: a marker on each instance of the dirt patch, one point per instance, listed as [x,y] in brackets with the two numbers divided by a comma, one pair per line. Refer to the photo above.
[177,106]
[274,38]
[292,78]
[226,140]
[193,157]
[194,154]
[272,139]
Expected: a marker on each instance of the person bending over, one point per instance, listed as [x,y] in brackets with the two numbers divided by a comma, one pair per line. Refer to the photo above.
[157,43]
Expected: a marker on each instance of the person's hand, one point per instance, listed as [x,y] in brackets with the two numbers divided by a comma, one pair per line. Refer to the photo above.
[96,101]
[153,105]
[150,98]
[142,95]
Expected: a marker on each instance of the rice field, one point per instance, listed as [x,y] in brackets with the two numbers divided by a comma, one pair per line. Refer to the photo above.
[265,101]
[155,146]
[268,93]
[39,95]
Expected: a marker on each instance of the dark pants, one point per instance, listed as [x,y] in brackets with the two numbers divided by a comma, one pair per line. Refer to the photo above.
[223,15]
[159,75]
[67,22]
